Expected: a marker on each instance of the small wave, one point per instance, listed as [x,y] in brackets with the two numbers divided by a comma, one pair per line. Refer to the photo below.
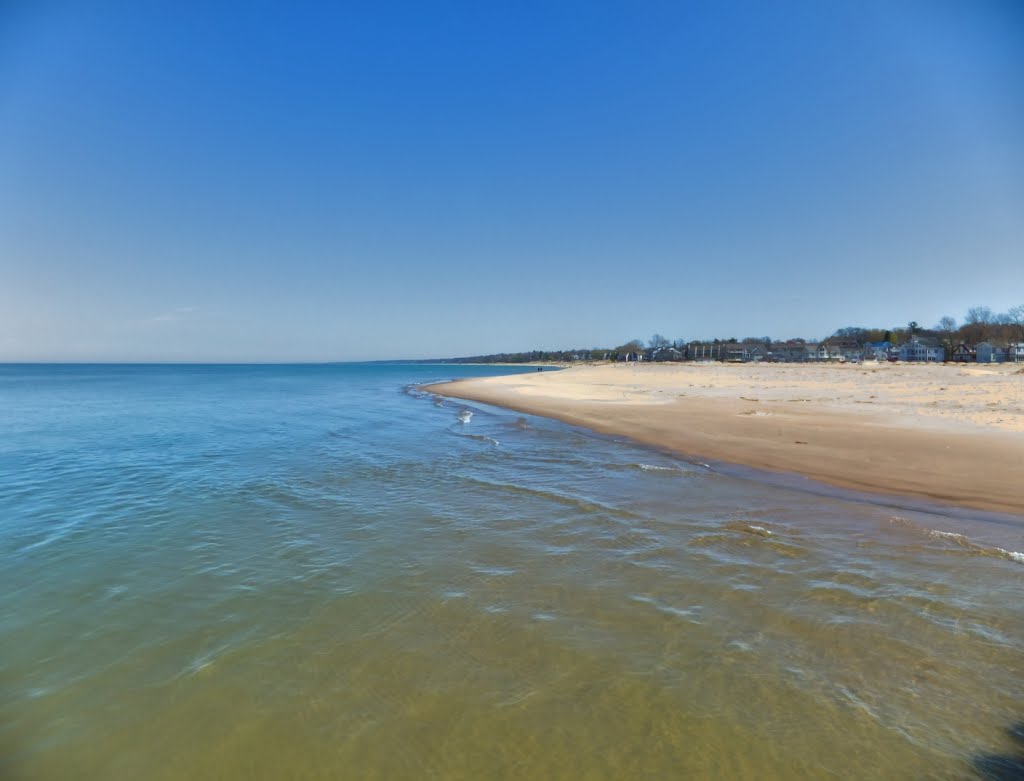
[495,572]
[60,533]
[746,527]
[555,496]
[740,536]
[946,535]
[658,469]
[958,543]
[483,438]
[694,613]
[1012,555]
[413,389]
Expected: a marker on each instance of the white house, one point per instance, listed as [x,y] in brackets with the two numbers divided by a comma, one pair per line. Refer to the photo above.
[919,350]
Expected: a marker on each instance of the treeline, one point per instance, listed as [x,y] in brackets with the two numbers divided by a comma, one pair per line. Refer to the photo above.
[980,324]
[537,356]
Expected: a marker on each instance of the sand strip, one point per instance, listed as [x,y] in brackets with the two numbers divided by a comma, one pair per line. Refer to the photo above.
[943,433]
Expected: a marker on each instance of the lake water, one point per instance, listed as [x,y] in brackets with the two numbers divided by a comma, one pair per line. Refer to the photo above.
[321,572]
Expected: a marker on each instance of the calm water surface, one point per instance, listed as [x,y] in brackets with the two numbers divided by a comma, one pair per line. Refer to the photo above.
[320,572]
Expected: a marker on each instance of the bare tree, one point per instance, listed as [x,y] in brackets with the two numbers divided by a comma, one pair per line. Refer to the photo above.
[979,324]
[852,332]
[1015,318]
[658,341]
[947,330]
[980,315]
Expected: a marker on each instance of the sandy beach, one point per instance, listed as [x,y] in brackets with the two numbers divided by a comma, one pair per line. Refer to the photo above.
[948,433]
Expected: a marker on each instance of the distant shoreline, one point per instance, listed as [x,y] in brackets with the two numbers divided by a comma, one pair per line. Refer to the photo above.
[941,433]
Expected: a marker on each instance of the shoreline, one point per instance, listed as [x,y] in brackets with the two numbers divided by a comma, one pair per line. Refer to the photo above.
[942,434]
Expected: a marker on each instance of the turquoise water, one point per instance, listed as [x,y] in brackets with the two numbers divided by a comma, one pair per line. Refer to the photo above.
[322,572]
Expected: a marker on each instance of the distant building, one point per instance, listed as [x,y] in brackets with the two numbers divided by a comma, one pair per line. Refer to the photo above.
[788,352]
[744,352]
[842,350]
[922,350]
[990,353]
[1015,352]
[964,354]
[877,351]
[705,351]
[666,354]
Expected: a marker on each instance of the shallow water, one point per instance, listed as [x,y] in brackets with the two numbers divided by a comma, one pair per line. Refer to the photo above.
[321,572]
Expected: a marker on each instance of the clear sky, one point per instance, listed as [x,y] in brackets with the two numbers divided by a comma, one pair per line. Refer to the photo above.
[340,181]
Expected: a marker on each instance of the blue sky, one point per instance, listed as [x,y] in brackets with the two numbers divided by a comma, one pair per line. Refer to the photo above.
[302,181]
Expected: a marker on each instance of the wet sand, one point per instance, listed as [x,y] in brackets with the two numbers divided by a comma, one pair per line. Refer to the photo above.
[947,433]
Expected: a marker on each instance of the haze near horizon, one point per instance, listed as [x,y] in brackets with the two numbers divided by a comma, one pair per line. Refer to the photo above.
[256,182]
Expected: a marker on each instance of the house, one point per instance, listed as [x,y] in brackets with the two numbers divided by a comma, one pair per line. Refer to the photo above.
[757,352]
[922,350]
[788,352]
[667,354]
[704,351]
[843,349]
[744,352]
[1015,352]
[964,354]
[877,351]
[990,353]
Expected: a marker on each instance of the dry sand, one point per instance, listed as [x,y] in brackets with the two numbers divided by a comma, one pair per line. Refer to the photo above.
[951,433]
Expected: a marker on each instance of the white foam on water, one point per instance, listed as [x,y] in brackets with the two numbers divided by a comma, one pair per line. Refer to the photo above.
[946,535]
[962,539]
[655,468]
[497,572]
